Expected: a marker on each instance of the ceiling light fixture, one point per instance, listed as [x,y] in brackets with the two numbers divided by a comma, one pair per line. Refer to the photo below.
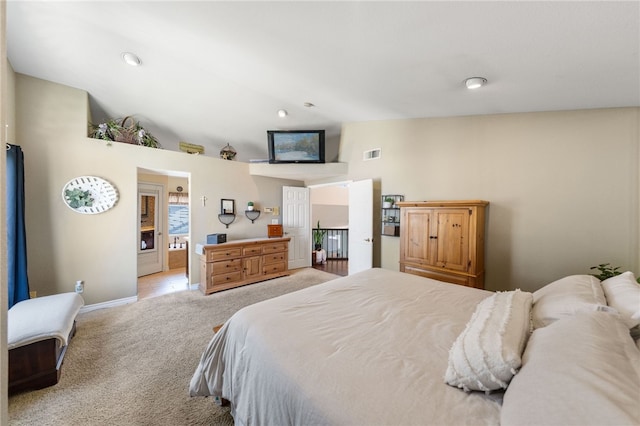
[282,113]
[131,59]
[475,82]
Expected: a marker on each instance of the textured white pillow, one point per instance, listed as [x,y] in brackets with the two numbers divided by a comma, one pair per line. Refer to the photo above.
[580,370]
[486,355]
[565,297]
[623,294]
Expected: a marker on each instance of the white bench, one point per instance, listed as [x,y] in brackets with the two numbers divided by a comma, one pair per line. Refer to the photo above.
[38,332]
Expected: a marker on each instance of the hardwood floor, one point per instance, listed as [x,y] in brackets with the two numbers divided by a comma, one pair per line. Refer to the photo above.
[175,279]
[338,267]
[162,283]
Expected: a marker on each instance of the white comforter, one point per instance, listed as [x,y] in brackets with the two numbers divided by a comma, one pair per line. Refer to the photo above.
[368,349]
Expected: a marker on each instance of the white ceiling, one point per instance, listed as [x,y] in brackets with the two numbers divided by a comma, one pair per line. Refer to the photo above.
[217,72]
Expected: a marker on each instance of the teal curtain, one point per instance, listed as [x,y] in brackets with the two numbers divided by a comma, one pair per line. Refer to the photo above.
[18,281]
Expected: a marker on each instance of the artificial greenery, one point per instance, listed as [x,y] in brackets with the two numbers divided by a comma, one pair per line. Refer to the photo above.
[124,130]
[318,236]
[605,270]
[78,198]
[250,203]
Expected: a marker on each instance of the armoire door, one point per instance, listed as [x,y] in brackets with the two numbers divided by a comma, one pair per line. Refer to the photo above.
[452,235]
[417,246]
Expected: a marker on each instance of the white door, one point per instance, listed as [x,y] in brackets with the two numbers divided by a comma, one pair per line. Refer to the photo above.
[150,229]
[360,225]
[296,219]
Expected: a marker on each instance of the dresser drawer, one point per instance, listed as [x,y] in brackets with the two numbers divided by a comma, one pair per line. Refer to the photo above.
[273,258]
[274,267]
[214,255]
[227,266]
[251,250]
[274,247]
[226,278]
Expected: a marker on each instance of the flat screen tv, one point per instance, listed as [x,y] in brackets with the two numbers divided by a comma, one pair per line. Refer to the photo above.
[296,146]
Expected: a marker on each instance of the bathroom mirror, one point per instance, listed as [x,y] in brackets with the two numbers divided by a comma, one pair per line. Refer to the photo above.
[147,222]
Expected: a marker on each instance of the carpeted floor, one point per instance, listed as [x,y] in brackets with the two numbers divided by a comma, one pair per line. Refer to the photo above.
[131,365]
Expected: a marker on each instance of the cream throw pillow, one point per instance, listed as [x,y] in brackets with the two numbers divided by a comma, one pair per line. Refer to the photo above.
[623,294]
[564,297]
[487,354]
[580,370]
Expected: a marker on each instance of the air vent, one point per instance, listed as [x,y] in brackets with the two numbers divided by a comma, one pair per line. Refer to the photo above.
[373,154]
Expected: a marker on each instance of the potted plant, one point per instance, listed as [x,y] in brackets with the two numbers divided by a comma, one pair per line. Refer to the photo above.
[387,203]
[318,236]
[250,205]
[607,271]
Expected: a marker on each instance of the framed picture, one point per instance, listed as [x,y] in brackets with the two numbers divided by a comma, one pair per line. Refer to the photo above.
[227,206]
[296,146]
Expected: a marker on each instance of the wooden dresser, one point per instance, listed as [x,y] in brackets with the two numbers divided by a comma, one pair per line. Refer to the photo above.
[236,263]
[443,240]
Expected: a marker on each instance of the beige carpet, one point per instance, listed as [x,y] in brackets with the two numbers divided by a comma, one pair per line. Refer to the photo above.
[131,365]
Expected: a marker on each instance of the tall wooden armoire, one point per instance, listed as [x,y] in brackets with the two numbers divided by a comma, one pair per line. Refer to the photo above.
[444,240]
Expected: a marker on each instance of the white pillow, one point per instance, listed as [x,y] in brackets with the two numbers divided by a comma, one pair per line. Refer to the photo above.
[565,297]
[580,370]
[486,355]
[623,294]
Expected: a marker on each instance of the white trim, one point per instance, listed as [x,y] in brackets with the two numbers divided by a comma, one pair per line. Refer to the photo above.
[109,304]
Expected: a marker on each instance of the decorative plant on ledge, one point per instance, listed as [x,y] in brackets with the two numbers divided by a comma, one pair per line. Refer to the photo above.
[78,198]
[124,130]
[607,271]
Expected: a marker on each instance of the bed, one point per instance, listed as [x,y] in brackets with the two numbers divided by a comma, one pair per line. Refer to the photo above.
[383,347]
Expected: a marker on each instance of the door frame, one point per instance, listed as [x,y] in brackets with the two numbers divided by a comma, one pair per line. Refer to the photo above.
[353,249]
[152,261]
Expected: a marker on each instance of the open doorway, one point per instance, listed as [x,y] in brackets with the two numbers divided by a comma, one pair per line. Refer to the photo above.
[330,210]
[172,230]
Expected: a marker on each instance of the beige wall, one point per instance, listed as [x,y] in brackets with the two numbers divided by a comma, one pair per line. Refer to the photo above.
[563,186]
[64,246]
[6,117]
[330,206]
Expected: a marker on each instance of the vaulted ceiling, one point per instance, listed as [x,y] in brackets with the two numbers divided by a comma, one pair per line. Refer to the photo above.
[215,72]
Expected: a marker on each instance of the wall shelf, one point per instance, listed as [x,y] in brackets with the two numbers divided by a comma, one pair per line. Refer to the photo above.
[226,218]
[301,172]
[391,215]
[252,214]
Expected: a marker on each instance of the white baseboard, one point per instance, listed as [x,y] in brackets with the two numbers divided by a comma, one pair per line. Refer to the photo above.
[109,304]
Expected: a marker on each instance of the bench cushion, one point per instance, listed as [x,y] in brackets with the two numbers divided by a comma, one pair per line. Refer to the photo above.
[42,318]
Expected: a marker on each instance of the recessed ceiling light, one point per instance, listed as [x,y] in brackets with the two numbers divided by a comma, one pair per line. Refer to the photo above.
[475,82]
[282,113]
[131,59]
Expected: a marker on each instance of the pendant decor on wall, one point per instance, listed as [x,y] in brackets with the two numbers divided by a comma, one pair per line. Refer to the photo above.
[89,195]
